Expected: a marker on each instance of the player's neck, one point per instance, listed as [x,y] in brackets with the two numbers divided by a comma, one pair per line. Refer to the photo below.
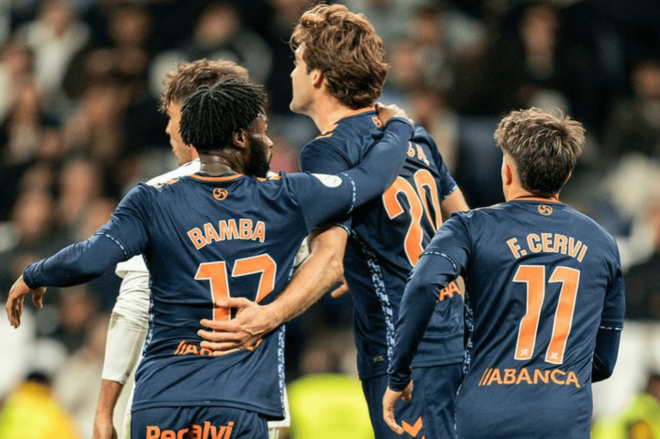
[519,193]
[216,165]
[328,111]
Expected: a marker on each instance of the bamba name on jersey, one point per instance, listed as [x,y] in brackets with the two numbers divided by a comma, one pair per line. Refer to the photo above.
[496,376]
[243,228]
[548,243]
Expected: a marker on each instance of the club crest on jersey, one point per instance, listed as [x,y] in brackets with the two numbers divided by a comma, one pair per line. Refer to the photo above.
[545,210]
[328,180]
[220,193]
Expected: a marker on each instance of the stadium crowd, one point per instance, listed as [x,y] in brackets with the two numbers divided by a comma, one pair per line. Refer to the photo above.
[79,126]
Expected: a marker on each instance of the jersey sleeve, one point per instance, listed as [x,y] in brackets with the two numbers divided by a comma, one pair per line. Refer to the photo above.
[125,235]
[445,180]
[323,196]
[436,268]
[611,322]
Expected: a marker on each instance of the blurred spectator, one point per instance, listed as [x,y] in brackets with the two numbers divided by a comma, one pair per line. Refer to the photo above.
[15,367]
[219,33]
[528,66]
[635,191]
[16,63]
[81,182]
[640,419]
[32,411]
[327,401]
[634,123]
[643,278]
[55,36]
[79,380]
[391,18]
[430,109]
[33,235]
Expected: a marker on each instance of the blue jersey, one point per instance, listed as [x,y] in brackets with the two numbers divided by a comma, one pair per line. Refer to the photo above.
[542,280]
[204,238]
[387,235]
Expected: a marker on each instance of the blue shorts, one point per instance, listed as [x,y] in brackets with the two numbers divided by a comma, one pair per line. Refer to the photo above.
[197,422]
[429,414]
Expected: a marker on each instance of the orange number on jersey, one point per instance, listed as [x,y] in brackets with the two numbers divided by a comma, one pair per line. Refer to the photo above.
[425,185]
[263,264]
[216,273]
[534,277]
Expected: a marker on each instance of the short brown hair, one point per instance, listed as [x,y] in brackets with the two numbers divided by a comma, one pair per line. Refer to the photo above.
[345,47]
[187,77]
[544,148]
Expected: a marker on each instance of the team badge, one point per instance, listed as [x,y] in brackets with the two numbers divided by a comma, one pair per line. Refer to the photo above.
[219,193]
[545,210]
[328,180]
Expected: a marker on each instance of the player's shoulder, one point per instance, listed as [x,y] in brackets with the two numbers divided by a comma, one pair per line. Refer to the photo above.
[183,170]
[358,123]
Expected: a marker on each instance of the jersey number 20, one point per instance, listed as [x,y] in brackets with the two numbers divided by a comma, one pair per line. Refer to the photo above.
[426,187]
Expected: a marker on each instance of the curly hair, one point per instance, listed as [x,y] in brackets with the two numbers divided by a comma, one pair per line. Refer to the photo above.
[187,77]
[345,47]
[544,148]
[212,114]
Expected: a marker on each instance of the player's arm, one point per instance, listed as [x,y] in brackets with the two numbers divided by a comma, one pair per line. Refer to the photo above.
[607,348]
[127,331]
[611,325]
[122,237]
[455,202]
[73,265]
[316,275]
[103,425]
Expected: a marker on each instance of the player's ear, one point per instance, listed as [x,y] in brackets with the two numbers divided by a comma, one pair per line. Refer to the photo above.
[317,77]
[240,139]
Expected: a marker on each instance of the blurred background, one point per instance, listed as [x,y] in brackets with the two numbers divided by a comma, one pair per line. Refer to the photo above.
[79,87]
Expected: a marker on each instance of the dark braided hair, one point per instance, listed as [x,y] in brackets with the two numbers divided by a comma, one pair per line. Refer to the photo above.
[212,114]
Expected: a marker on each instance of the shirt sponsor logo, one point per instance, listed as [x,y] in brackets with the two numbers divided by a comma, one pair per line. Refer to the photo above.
[195,431]
[524,375]
[189,348]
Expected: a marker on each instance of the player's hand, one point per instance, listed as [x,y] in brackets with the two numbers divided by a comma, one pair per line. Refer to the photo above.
[387,112]
[103,428]
[390,399]
[244,331]
[17,293]
[341,289]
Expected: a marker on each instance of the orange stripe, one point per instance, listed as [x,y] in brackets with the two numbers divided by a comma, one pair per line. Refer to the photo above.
[226,178]
[543,200]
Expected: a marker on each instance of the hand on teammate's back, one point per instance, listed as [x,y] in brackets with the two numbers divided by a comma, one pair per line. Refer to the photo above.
[387,112]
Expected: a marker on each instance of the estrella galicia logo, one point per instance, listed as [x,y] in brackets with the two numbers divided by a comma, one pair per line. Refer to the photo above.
[220,193]
[545,210]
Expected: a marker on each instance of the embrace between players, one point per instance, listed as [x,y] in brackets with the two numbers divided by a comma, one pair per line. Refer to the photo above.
[374,202]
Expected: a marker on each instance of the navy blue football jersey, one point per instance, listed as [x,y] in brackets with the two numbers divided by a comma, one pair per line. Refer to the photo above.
[386,237]
[204,238]
[542,280]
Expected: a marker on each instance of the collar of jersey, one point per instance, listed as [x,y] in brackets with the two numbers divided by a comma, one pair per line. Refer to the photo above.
[223,177]
[356,112]
[533,198]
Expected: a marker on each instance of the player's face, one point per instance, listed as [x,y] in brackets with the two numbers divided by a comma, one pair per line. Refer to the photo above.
[301,81]
[182,152]
[261,146]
